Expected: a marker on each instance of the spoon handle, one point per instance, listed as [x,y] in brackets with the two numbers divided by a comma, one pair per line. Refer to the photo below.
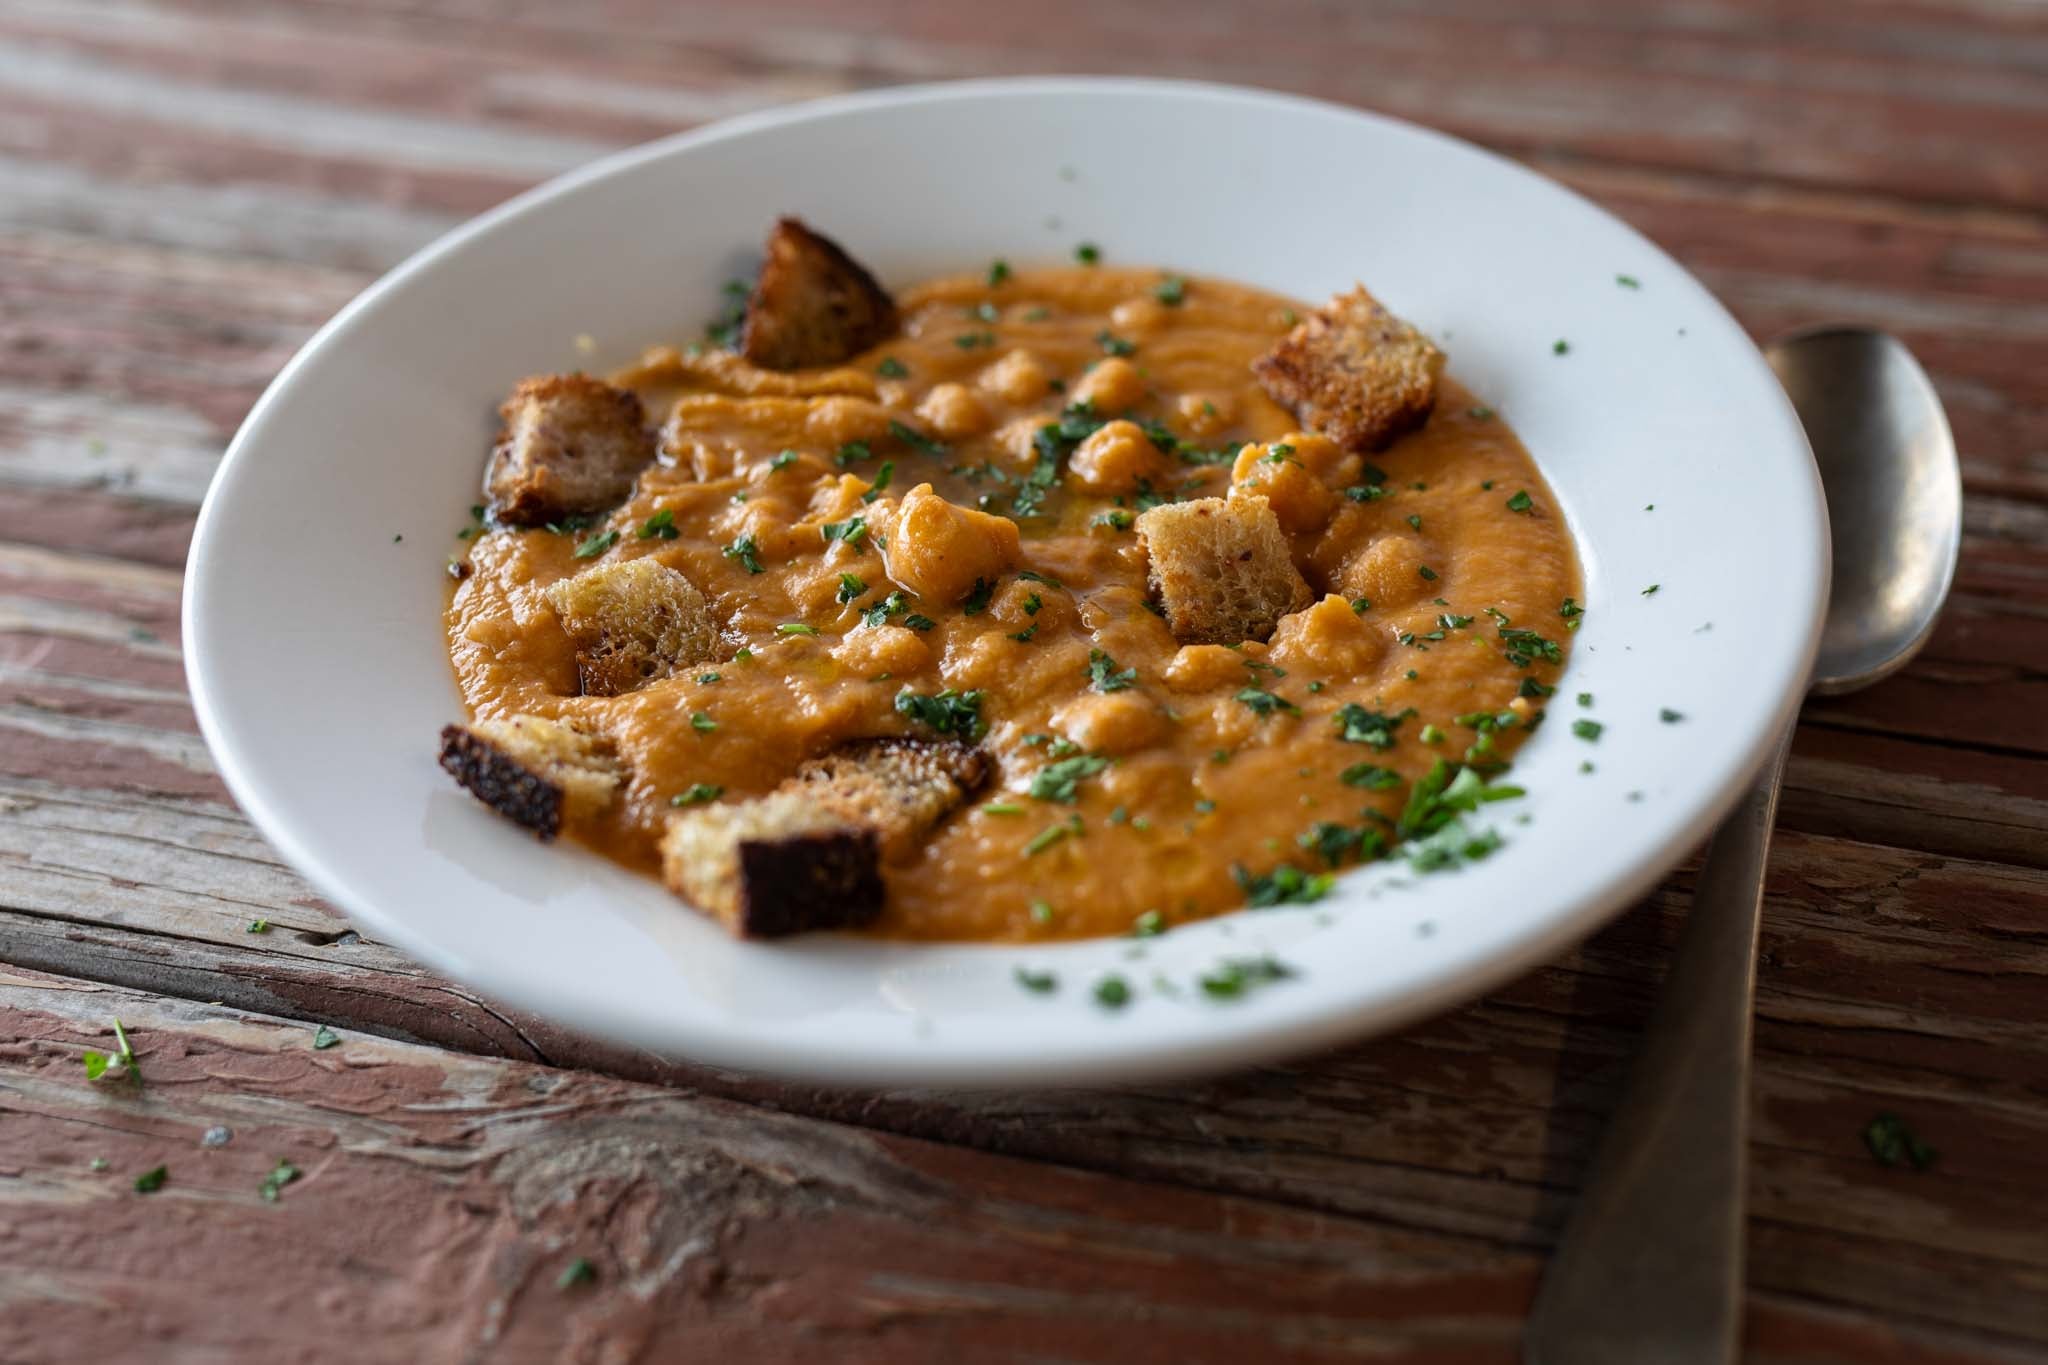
[1650,1265]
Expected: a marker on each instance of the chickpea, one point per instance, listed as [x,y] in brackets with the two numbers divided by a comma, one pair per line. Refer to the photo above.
[834,421]
[1116,458]
[1143,316]
[1198,668]
[937,549]
[1112,386]
[1019,378]
[1388,573]
[1328,636]
[1302,501]
[1119,723]
[954,412]
[873,650]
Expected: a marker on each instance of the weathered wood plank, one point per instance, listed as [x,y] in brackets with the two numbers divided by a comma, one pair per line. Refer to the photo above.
[441,1196]
[1892,981]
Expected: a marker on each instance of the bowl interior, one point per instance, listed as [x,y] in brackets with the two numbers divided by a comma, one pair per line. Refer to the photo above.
[315,587]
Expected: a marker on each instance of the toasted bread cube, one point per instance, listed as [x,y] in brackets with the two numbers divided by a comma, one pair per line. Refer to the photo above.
[1221,569]
[571,445]
[940,550]
[813,304]
[809,854]
[778,864]
[533,771]
[632,622]
[1118,456]
[1354,372]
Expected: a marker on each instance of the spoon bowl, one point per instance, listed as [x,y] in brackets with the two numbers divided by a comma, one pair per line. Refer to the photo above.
[1895,495]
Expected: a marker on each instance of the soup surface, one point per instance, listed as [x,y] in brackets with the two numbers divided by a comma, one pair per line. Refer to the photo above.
[1138,781]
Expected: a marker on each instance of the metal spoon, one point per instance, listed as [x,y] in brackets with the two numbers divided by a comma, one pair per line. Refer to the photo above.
[1650,1267]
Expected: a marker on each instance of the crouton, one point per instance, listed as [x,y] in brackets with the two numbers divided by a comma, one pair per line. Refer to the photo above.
[1354,372]
[1220,569]
[809,854]
[571,445]
[632,622]
[813,304]
[531,770]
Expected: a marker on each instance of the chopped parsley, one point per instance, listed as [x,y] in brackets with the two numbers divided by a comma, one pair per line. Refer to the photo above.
[1112,344]
[998,271]
[853,452]
[1336,843]
[1286,884]
[1669,716]
[746,551]
[1585,698]
[1171,291]
[882,478]
[1370,776]
[725,329]
[1588,730]
[1534,690]
[1030,576]
[1150,924]
[258,926]
[895,604]
[578,1271]
[1429,575]
[848,532]
[1521,502]
[1571,611]
[948,712]
[1026,635]
[1628,282]
[1894,1144]
[1264,703]
[1560,347]
[1361,605]
[701,721]
[281,1175]
[978,597]
[851,585]
[1104,676]
[1087,253]
[98,1063]
[1480,414]
[796,628]
[968,341]
[917,622]
[597,544]
[696,794]
[1059,781]
[782,461]
[1232,977]
[1038,983]
[1414,522]
[152,1180]
[1113,992]
[1052,834]
[661,525]
[1652,589]
[916,439]
[1357,725]
[1116,518]
[1524,647]
[892,368]
[1033,603]
[324,1038]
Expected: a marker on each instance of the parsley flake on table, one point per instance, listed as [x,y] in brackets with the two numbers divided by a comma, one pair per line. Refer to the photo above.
[152,1180]
[97,1064]
[324,1038]
[1895,1144]
[578,1271]
[281,1175]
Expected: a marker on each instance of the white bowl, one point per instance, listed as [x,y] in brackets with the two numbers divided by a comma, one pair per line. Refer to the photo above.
[317,663]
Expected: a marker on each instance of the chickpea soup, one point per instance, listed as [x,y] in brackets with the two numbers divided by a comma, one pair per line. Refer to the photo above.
[1025,604]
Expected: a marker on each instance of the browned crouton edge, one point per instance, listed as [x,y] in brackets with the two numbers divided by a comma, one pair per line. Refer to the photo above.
[813,304]
[501,782]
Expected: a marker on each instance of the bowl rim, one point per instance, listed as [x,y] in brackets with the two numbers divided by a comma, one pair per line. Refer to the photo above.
[1260,1037]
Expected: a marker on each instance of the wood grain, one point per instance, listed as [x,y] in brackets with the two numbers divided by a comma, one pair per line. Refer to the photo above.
[188,189]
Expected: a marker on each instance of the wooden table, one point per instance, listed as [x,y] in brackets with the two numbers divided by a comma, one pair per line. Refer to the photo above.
[187,189]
